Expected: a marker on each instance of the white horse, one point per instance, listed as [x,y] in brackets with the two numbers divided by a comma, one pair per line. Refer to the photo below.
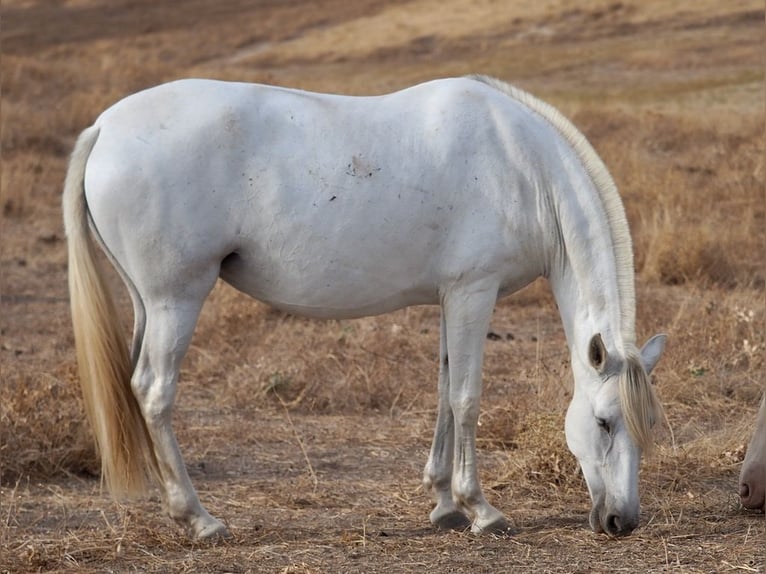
[453,192]
[752,477]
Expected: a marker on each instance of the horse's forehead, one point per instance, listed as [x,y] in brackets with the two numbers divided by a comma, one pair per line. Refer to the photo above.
[605,392]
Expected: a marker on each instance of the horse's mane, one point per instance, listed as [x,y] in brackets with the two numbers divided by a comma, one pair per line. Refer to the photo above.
[640,406]
[607,190]
[639,403]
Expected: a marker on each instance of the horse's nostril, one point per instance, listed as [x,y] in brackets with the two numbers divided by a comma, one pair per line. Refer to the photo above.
[616,525]
[744,490]
[613,524]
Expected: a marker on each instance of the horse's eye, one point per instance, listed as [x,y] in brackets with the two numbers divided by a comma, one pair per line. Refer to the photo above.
[603,425]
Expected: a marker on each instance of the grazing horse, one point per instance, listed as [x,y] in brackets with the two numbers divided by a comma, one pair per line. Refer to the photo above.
[454,192]
[752,477]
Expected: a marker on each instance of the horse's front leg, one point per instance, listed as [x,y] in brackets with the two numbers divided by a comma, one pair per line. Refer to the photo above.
[467,313]
[166,339]
[437,475]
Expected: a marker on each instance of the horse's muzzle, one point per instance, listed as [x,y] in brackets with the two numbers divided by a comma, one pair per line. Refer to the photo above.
[603,520]
[752,487]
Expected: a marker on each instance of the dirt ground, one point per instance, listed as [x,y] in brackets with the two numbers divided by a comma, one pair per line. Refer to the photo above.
[308,438]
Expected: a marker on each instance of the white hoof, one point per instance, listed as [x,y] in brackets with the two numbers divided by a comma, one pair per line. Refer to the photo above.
[212,531]
[496,525]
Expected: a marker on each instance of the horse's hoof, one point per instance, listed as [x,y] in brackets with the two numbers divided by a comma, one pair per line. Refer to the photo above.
[454,520]
[499,527]
[213,532]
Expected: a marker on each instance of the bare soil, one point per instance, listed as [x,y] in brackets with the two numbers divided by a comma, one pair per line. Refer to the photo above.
[308,438]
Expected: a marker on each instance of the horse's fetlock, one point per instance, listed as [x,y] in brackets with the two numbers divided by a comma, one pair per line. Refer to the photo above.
[466,496]
[436,483]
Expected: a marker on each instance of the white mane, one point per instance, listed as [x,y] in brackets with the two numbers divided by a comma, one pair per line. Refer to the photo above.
[607,190]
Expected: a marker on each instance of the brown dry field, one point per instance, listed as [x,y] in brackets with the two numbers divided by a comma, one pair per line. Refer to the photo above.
[308,438]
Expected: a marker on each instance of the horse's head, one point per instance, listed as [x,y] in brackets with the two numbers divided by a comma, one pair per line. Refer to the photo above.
[608,426]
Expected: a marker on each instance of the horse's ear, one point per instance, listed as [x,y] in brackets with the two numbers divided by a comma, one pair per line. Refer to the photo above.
[597,353]
[652,351]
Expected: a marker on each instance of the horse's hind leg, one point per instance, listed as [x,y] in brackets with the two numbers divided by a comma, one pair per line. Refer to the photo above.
[437,475]
[169,327]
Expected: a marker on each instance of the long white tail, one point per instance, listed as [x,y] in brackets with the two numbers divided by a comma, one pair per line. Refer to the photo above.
[122,439]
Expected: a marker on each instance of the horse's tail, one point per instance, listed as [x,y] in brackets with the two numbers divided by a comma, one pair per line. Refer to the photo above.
[122,439]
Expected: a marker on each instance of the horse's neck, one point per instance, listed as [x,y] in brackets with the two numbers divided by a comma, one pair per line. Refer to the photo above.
[587,274]
[582,314]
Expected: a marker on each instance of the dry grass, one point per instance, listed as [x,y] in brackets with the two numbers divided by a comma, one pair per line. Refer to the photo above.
[309,437]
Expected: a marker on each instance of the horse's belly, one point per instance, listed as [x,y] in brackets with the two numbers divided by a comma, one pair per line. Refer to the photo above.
[327,288]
